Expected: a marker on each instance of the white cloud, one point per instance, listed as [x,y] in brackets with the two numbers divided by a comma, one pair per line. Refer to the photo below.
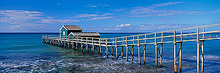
[24,26]
[92,5]
[153,11]
[97,5]
[162,27]
[164,4]
[58,21]
[28,17]
[92,15]
[106,14]
[123,25]
[95,16]
[120,9]
[216,11]
[86,15]
[117,28]
[18,16]
[58,4]
[145,28]
[99,18]
[151,27]
[23,19]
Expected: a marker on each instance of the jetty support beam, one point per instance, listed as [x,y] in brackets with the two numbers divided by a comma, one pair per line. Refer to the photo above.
[202,48]
[198,50]
[93,47]
[145,40]
[112,48]
[106,50]
[126,48]
[116,48]
[139,56]
[100,47]
[180,52]
[156,52]
[161,50]
[174,52]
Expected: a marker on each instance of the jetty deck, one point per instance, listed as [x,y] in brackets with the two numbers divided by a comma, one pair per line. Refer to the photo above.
[111,45]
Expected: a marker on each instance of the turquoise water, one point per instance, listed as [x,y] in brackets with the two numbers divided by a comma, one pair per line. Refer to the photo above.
[27,53]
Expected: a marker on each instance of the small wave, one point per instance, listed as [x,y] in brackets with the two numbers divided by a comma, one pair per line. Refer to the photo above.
[212,57]
[20,45]
[91,64]
[2,58]
[207,57]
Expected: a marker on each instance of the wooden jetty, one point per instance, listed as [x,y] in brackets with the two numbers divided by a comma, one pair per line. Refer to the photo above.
[158,39]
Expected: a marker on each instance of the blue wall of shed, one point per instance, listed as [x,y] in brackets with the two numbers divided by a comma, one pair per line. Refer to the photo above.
[64,30]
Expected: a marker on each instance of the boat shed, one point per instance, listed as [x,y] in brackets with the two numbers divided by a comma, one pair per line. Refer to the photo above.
[76,31]
[65,30]
[85,34]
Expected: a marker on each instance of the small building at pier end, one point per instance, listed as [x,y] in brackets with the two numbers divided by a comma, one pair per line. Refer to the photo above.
[76,31]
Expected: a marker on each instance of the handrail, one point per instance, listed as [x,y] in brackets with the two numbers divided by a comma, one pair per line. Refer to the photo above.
[135,38]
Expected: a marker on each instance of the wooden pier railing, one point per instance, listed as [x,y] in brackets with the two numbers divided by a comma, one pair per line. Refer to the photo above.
[111,45]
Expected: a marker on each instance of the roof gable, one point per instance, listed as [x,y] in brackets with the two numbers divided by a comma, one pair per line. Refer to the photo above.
[71,27]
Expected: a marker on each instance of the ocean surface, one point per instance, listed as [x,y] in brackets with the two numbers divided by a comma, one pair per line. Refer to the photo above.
[23,53]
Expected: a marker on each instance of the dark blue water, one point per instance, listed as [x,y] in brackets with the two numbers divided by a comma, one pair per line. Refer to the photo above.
[27,53]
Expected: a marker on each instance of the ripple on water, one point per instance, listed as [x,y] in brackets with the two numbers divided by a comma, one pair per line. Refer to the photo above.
[87,64]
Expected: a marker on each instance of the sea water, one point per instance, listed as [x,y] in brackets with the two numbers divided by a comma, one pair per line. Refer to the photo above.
[26,53]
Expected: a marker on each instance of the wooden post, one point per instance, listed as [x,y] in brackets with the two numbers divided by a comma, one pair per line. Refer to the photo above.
[113,49]
[174,55]
[81,45]
[139,56]
[93,47]
[100,47]
[106,48]
[76,43]
[47,36]
[180,52]
[68,44]
[156,52]
[116,48]
[122,47]
[61,43]
[126,48]
[133,49]
[87,45]
[203,36]
[52,41]
[132,52]
[58,42]
[64,41]
[198,51]
[161,50]
[145,41]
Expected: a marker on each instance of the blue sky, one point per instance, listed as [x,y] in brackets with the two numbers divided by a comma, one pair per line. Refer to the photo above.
[106,15]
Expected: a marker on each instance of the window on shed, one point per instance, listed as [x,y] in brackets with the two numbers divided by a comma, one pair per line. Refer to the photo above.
[63,32]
